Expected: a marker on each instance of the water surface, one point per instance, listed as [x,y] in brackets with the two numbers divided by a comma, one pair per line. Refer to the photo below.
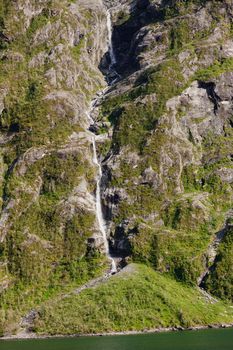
[220,339]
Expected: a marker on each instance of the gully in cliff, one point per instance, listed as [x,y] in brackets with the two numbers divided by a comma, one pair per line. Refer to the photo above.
[112,75]
[99,212]
[111,78]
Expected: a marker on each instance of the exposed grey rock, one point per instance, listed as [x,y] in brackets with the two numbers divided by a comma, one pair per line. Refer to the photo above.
[226,174]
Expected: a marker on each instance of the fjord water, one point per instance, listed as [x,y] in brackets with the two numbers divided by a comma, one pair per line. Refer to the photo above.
[216,339]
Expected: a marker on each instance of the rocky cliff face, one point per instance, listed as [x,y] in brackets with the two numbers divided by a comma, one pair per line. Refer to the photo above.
[168,174]
[165,142]
[50,52]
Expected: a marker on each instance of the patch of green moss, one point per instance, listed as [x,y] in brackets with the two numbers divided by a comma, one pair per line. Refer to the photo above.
[133,124]
[181,7]
[122,17]
[38,22]
[179,35]
[215,70]
[76,51]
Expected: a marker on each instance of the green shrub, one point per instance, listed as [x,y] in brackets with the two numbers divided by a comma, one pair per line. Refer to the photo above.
[220,280]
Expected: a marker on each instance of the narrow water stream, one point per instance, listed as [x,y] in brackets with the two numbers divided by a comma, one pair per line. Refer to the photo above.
[112,76]
[110,47]
[99,211]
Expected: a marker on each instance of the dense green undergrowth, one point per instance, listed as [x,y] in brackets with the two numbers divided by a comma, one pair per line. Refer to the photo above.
[136,299]
[220,280]
[23,296]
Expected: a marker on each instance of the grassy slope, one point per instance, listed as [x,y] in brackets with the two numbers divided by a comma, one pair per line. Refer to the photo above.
[136,299]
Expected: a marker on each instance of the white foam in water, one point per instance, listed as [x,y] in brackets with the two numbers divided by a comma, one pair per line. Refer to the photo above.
[99,212]
[113,61]
[110,46]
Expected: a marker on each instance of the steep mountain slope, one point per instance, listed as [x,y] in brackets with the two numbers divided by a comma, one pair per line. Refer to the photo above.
[164,132]
[50,53]
[168,173]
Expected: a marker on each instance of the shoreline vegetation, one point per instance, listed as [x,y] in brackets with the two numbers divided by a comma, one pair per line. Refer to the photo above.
[28,336]
[198,303]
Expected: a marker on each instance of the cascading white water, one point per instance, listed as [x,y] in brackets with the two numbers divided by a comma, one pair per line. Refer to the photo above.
[113,76]
[99,211]
[110,46]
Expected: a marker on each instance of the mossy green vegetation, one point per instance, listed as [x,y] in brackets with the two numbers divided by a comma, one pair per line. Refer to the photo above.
[39,22]
[168,172]
[179,35]
[215,70]
[20,297]
[188,202]
[132,124]
[136,299]
[178,245]
[45,250]
[220,280]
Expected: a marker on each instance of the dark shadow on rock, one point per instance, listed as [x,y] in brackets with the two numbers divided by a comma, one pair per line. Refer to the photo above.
[210,89]
[125,41]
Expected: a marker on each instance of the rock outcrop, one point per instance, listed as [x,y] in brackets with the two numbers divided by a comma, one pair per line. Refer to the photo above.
[168,173]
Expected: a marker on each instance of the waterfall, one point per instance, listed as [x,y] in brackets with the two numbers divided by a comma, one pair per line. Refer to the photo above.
[110,46]
[99,211]
[112,75]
